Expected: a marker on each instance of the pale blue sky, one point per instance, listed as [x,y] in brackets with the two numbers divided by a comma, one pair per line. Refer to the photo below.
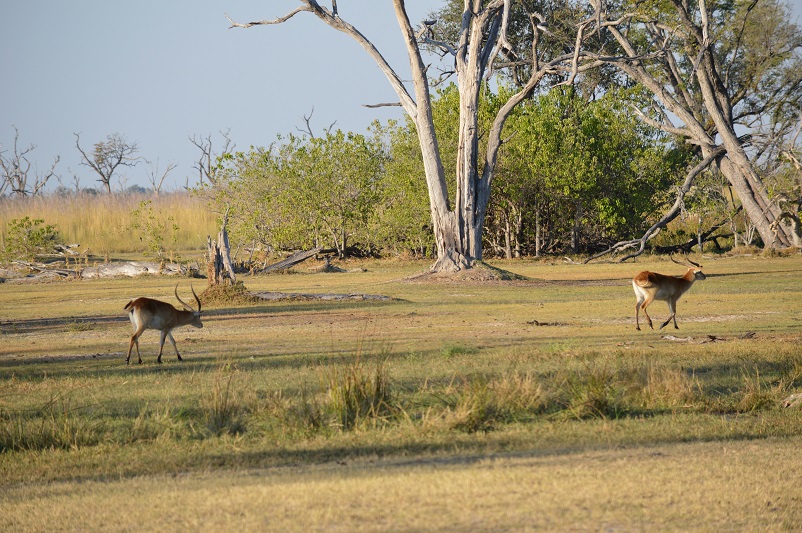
[158,72]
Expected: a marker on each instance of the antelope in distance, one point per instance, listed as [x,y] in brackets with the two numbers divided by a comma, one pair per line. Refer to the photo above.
[146,313]
[650,286]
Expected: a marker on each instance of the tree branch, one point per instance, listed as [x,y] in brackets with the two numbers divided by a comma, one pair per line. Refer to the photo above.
[668,217]
[267,22]
[334,20]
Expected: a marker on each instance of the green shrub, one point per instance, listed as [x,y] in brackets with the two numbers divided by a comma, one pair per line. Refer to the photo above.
[26,238]
[155,228]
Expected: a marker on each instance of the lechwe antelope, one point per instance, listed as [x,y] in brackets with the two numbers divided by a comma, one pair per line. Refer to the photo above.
[650,286]
[146,313]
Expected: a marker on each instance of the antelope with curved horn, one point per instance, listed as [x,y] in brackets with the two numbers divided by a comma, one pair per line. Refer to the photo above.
[146,313]
[650,286]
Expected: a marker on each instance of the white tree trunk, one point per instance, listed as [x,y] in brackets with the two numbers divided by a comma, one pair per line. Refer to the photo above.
[458,228]
[735,164]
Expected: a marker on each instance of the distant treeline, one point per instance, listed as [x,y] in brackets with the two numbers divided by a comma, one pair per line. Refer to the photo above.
[574,176]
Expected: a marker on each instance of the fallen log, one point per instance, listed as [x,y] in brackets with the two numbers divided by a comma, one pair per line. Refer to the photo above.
[672,213]
[291,261]
[132,269]
[48,271]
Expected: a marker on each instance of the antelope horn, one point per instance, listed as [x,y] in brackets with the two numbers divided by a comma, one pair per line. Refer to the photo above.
[196,297]
[186,306]
[697,265]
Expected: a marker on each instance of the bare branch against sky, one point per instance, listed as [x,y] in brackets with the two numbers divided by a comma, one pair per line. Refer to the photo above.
[175,69]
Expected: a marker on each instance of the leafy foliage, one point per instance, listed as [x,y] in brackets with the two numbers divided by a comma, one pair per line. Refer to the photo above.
[26,238]
[156,229]
[306,192]
[582,171]
[401,222]
[573,174]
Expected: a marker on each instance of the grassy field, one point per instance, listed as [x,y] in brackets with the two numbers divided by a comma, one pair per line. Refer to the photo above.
[453,405]
[103,224]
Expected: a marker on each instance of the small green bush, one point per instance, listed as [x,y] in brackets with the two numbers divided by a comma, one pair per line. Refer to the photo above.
[26,238]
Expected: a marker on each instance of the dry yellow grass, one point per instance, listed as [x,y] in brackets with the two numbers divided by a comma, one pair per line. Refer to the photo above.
[703,486]
[102,223]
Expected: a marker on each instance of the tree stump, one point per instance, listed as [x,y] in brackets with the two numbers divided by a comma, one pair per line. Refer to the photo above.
[219,266]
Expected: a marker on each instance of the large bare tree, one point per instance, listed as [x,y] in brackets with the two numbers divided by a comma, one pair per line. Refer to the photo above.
[108,156]
[16,175]
[481,45]
[712,68]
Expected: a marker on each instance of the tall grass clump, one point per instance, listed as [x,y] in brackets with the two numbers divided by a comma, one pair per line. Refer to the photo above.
[222,407]
[753,393]
[57,425]
[790,374]
[473,408]
[756,393]
[359,393]
[519,396]
[480,403]
[594,388]
[152,425]
[297,417]
[668,388]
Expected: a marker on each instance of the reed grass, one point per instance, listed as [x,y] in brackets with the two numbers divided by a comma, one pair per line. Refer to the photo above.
[102,224]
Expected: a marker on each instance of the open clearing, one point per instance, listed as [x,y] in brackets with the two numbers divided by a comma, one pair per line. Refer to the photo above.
[512,405]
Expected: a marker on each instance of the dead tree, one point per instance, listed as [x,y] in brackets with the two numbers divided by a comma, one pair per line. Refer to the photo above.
[205,164]
[108,156]
[695,87]
[481,46]
[156,177]
[219,266]
[16,171]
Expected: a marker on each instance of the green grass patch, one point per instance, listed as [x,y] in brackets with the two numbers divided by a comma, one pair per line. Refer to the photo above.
[550,364]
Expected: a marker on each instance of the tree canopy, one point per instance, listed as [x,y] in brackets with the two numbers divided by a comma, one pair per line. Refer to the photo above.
[708,74]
